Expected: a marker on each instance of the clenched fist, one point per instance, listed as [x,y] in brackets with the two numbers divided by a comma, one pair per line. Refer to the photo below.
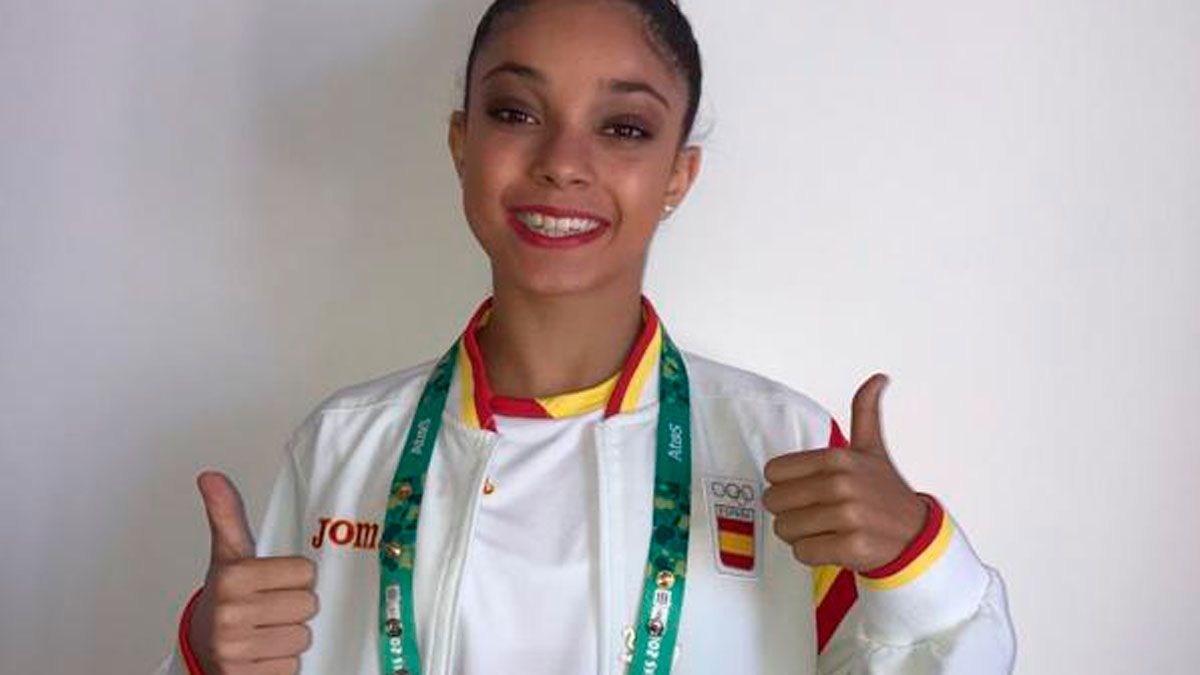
[845,506]
[250,617]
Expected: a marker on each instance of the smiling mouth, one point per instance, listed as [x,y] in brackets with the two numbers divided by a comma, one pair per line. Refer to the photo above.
[556,227]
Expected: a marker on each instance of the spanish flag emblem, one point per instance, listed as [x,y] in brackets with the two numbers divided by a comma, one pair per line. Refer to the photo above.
[735,512]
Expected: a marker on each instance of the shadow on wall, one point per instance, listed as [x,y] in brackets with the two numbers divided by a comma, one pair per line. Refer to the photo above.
[351,259]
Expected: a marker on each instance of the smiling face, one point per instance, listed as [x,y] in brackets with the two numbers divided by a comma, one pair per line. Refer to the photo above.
[570,148]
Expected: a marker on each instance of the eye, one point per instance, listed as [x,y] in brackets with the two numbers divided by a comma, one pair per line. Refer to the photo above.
[627,132]
[511,116]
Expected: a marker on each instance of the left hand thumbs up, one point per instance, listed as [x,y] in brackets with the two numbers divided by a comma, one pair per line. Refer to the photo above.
[845,506]
[866,429]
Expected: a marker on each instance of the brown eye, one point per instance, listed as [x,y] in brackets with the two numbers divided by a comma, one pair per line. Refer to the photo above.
[510,116]
[627,131]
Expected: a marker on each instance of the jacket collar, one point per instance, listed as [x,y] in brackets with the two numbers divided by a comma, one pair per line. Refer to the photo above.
[632,387]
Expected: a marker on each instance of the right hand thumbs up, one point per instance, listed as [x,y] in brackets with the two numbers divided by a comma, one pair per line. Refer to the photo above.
[231,538]
[251,615]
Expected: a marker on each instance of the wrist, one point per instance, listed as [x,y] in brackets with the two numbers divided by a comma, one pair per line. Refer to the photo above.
[926,531]
[937,583]
[190,659]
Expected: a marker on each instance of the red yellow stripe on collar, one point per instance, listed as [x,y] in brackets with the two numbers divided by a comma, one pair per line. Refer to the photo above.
[620,393]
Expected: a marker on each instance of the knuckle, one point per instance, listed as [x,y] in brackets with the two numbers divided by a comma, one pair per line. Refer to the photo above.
[230,650]
[305,638]
[226,616]
[304,569]
[852,515]
[837,458]
[800,551]
[769,497]
[292,640]
[841,486]
[858,546]
[780,529]
[311,605]
[234,580]
[222,583]
[771,470]
[781,461]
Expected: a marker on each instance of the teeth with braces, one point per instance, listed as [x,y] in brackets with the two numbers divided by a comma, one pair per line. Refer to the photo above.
[556,227]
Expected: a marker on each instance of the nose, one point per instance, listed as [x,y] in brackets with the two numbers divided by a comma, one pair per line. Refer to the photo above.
[563,160]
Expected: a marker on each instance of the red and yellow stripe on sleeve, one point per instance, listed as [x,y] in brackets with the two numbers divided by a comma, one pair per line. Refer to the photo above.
[931,542]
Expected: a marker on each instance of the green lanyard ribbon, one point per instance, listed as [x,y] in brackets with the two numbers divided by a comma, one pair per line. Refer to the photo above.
[666,561]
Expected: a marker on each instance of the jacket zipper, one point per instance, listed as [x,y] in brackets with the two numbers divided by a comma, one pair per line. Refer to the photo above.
[451,579]
[610,649]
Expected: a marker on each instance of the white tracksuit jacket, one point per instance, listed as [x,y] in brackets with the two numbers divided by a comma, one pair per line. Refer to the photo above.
[750,607]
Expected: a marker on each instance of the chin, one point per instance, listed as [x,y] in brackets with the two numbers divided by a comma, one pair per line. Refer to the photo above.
[553,284]
[550,278]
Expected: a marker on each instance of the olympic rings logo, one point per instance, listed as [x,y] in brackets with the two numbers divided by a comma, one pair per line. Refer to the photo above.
[742,493]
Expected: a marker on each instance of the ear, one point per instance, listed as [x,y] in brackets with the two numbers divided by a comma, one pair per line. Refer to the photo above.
[683,174]
[456,137]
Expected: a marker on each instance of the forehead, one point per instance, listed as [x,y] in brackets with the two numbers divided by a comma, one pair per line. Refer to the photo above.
[581,43]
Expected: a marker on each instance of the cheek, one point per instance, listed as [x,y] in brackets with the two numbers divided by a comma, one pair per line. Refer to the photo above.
[493,159]
[639,185]
[492,163]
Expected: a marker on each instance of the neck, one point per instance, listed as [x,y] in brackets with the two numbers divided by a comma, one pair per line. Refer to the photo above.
[538,345]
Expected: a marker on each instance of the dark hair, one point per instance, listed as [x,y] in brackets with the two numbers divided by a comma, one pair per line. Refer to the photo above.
[668,28]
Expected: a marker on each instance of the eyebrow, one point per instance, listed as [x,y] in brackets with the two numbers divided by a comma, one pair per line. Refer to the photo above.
[614,85]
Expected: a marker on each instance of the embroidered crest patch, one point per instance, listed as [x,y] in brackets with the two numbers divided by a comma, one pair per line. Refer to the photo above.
[734,512]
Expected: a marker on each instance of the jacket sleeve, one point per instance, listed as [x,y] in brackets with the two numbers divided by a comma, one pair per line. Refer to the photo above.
[935,610]
[281,534]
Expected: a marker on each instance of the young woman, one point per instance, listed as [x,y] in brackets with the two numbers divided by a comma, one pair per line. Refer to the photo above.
[564,491]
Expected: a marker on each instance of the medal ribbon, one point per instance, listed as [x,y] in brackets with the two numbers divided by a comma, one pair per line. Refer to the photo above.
[666,562]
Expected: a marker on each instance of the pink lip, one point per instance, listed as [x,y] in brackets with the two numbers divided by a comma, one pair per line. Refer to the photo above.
[542,240]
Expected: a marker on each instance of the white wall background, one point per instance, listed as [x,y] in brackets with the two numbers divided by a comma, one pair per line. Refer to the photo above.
[214,213]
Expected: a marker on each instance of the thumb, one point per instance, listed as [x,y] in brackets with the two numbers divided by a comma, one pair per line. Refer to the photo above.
[231,538]
[866,430]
